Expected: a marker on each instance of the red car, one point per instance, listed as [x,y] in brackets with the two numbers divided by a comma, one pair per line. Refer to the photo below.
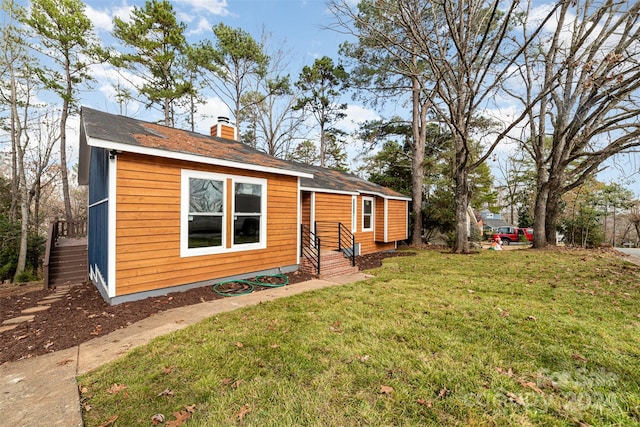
[514,234]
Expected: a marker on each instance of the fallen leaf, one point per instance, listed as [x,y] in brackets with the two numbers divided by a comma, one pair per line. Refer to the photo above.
[109,421]
[115,388]
[83,390]
[503,313]
[531,385]
[365,358]
[532,318]
[385,389]
[157,419]
[426,403]
[243,412]
[47,345]
[443,392]
[508,373]
[239,345]
[182,416]
[168,370]
[274,346]
[515,398]
[166,392]
[86,407]
[237,384]
[226,381]
[576,356]
[65,362]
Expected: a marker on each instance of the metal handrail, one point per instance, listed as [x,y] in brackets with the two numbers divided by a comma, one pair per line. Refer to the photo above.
[310,246]
[336,236]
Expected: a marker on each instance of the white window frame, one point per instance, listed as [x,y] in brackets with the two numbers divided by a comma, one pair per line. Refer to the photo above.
[185,250]
[373,210]
[262,243]
[354,214]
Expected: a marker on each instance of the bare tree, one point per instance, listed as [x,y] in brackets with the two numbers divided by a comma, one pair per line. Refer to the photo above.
[272,124]
[464,50]
[590,62]
[16,91]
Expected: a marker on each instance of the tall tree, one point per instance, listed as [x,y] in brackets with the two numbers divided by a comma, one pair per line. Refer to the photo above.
[65,35]
[322,86]
[237,62]
[590,61]
[157,56]
[18,82]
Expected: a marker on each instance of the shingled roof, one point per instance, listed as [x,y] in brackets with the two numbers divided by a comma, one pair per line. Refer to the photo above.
[125,134]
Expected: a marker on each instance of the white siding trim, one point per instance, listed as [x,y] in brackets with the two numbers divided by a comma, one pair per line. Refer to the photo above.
[111,239]
[386,220]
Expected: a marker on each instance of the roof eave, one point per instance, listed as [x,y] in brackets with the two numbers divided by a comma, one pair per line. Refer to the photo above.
[175,155]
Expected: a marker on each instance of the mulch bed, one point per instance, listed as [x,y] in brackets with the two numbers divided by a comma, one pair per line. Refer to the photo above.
[83,315]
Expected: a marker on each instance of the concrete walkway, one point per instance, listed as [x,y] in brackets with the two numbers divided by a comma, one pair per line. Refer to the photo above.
[43,391]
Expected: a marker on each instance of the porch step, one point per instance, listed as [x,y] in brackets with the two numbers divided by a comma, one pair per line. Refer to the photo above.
[332,263]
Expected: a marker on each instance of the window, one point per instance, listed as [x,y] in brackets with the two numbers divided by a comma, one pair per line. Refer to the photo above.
[367,214]
[248,224]
[203,204]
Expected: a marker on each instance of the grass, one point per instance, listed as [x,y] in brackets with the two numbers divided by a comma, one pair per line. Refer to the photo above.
[496,338]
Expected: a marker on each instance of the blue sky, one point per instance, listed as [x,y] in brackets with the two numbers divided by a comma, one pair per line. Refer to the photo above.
[298,25]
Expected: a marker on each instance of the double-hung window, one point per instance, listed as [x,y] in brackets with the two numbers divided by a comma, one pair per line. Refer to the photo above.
[203,207]
[248,212]
[367,213]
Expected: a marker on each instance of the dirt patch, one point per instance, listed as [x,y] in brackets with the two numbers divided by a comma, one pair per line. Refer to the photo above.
[82,314]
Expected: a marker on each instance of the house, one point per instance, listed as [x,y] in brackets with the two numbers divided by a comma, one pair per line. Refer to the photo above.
[171,209]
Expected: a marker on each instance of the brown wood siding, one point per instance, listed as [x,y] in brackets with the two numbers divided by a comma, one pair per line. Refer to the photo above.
[305,199]
[148,227]
[332,208]
[396,220]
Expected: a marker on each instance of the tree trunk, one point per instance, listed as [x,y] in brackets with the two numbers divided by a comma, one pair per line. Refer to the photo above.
[540,215]
[419,126]
[552,217]
[63,161]
[461,244]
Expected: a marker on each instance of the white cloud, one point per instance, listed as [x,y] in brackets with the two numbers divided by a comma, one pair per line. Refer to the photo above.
[356,114]
[215,7]
[102,19]
[203,26]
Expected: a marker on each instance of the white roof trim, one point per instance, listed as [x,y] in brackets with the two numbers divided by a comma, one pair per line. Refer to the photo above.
[355,193]
[118,146]
[327,190]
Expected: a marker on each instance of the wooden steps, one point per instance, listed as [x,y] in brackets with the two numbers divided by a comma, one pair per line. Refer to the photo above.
[68,263]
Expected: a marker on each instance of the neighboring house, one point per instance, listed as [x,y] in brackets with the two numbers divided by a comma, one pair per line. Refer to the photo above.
[171,209]
[494,220]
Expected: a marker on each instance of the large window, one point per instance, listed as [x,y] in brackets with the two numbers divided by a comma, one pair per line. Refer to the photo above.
[203,211]
[367,214]
[209,214]
[248,211]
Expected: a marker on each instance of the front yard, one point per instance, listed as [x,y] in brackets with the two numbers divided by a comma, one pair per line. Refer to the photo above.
[497,338]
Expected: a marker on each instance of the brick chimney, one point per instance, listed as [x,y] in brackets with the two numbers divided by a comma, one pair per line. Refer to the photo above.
[224,129]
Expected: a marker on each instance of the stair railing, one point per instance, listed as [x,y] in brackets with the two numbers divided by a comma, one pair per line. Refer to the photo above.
[310,246]
[336,236]
[347,243]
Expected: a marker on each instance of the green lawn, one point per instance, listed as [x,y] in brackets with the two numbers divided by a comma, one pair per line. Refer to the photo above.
[498,338]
